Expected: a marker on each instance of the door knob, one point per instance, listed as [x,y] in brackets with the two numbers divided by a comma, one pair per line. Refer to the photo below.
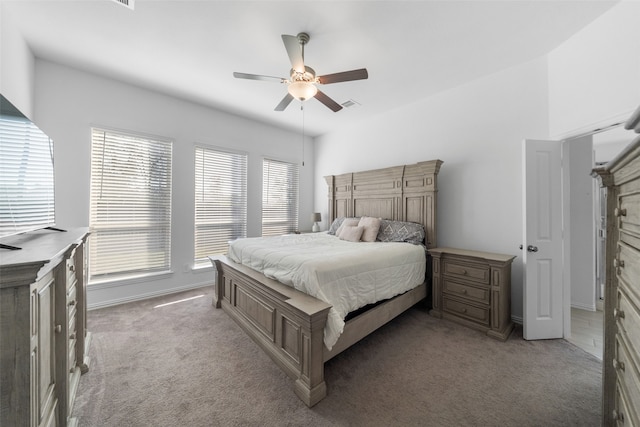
[532,248]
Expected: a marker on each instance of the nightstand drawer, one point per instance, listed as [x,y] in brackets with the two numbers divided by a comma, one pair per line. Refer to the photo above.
[476,272]
[468,311]
[474,293]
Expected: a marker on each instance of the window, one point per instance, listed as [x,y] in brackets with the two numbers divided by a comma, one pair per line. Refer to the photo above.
[279,197]
[130,216]
[220,201]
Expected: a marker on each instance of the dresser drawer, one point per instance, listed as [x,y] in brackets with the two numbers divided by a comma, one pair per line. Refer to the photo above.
[627,373]
[465,310]
[621,416]
[628,319]
[627,265]
[71,268]
[475,272]
[72,301]
[629,212]
[474,293]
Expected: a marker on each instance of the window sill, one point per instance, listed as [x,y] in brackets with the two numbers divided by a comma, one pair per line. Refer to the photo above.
[129,280]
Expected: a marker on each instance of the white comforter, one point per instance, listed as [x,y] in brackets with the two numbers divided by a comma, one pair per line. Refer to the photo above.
[346,275]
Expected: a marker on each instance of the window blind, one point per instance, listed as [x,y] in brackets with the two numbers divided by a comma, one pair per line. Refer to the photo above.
[26,177]
[130,214]
[220,201]
[279,197]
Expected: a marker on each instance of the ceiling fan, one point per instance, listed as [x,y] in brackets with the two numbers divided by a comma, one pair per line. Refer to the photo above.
[302,82]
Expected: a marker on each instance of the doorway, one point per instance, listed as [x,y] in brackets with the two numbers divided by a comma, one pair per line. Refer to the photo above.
[586,322]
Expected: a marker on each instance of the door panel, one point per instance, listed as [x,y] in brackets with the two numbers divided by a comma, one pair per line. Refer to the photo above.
[542,240]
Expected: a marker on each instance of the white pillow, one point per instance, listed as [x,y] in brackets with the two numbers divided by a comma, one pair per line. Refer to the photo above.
[347,221]
[351,233]
[371,226]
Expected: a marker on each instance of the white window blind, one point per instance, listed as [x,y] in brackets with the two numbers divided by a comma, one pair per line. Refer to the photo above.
[130,216]
[279,197]
[26,177]
[220,201]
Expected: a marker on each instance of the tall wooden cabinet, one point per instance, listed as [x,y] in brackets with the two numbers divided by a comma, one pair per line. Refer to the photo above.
[621,358]
[43,335]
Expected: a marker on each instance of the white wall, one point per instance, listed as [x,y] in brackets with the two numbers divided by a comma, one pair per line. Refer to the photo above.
[69,102]
[477,130]
[16,66]
[594,76]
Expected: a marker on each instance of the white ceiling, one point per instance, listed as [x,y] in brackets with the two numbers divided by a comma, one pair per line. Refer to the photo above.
[189,49]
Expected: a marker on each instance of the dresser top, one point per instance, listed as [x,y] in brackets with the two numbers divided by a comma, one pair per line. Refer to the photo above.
[40,245]
[475,254]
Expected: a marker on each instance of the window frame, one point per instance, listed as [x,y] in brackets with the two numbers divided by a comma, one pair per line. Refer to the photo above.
[144,212]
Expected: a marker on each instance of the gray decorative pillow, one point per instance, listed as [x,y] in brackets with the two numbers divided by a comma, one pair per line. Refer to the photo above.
[400,231]
[335,225]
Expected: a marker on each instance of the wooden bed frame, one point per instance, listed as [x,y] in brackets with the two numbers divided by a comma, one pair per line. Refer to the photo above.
[288,324]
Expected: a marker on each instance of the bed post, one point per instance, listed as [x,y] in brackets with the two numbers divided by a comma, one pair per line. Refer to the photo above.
[217,286]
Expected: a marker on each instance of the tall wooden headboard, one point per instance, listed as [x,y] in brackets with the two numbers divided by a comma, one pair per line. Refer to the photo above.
[401,193]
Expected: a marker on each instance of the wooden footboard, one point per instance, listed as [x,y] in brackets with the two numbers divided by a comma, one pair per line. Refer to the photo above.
[289,325]
[286,323]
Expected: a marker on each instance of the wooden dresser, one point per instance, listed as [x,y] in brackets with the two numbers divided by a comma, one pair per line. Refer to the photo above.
[621,359]
[473,288]
[43,335]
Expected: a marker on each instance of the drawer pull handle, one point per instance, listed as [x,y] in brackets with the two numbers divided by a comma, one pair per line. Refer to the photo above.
[72,302]
[617,416]
[620,212]
[618,263]
[72,267]
[72,336]
[58,329]
[72,370]
[618,314]
[618,365]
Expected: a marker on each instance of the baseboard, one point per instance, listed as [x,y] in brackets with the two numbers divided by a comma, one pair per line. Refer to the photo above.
[517,319]
[588,307]
[140,297]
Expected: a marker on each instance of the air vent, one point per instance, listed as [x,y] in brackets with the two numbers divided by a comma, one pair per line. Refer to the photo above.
[126,3]
[350,103]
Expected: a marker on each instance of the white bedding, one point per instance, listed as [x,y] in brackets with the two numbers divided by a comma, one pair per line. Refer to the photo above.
[346,275]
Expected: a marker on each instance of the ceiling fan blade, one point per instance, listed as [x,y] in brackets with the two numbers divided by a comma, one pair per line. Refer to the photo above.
[294,50]
[259,77]
[284,103]
[344,76]
[333,105]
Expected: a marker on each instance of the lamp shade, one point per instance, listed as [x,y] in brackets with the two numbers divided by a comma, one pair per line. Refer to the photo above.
[302,90]
[315,217]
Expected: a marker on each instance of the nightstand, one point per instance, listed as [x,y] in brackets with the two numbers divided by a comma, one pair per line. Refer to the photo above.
[473,288]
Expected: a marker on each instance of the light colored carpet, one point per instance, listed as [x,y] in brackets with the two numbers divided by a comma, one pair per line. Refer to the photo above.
[189,364]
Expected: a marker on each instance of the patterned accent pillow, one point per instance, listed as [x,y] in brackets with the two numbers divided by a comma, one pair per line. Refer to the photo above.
[335,225]
[400,231]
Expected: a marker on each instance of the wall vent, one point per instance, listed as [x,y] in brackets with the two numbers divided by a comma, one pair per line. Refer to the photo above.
[126,3]
[350,103]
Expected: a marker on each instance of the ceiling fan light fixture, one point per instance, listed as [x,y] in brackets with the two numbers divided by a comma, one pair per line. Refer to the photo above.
[302,90]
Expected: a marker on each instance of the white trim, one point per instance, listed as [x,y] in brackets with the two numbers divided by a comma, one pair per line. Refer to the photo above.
[140,297]
[583,306]
[115,282]
[595,127]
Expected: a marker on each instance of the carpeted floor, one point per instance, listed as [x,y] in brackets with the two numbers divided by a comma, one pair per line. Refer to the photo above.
[188,364]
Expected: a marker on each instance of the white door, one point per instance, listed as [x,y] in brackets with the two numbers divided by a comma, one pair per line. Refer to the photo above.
[542,240]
